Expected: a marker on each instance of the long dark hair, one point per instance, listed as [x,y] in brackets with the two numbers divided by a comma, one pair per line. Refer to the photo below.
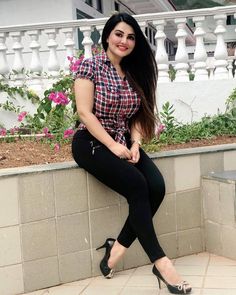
[141,71]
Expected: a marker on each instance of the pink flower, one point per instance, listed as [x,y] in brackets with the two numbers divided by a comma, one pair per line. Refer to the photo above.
[58,98]
[21,116]
[56,147]
[159,129]
[47,133]
[68,133]
[74,63]
[3,132]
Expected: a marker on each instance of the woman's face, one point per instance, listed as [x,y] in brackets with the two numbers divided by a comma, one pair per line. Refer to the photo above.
[121,41]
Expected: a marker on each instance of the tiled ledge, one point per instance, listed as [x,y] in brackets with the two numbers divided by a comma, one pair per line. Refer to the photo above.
[52,217]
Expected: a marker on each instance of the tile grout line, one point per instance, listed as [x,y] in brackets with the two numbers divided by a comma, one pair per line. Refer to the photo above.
[205,275]
[125,284]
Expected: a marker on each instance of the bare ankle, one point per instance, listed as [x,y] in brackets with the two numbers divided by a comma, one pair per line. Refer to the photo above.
[117,252]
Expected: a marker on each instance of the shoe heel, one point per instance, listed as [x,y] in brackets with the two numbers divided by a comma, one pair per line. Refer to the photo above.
[101,247]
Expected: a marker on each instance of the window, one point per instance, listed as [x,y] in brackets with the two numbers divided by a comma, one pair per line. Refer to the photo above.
[89,2]
[99,6]
[117,6]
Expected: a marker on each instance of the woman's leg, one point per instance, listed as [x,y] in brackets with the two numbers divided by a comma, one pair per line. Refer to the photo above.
[128,181]
[156,187]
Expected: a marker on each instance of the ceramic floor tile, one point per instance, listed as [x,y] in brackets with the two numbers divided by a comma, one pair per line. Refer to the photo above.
[196,259]
[102,290]
[219,260]
[143,270]
[220,282]
[194,291]
[117,280]
[66,290]
[140,291]
[221,270]
[142,280]
[191,270]
[85,282]
[219,292]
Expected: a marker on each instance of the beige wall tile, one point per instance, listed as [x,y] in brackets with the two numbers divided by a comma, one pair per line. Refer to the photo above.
[104,223]
[36,197]
[71,194]
[165,219]
[10,247]
[188,209]
[39,240]
[166,167]
[39,274]
[211,162]
[75,266]
[9,201]
[229,242]
[227,203]
[73,233]
[135,256]
[100,195]
[213,238]
[211,200]
[11,278]
[168,243]
[187,172]
[190,242]
[230,160]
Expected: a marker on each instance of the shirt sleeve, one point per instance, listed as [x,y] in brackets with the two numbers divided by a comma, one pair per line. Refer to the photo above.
[86,70]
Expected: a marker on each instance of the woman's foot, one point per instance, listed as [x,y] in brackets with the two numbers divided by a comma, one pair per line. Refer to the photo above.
[117,252]
[169,273]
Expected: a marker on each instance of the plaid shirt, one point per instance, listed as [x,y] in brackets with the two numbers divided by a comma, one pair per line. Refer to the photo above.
[115,101]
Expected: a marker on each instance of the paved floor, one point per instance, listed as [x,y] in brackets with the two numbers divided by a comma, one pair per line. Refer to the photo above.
[207,273]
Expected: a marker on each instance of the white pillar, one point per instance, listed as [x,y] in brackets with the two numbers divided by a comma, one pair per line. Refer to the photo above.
[200,54]
[36,64]
[4,68]
[230,66]
[53,62]
[221,53]
[181,56]
[18,64]
[69,45]
[161,54]
[143,27]
[87,41]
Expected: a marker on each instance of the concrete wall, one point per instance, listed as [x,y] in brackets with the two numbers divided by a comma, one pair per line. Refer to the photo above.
[52,217]
[195,99]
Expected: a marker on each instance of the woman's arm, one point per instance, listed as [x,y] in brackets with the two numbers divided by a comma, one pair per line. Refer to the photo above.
[84,96]
[136,137]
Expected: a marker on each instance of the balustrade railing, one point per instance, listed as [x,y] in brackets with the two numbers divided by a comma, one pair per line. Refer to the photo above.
[28,51]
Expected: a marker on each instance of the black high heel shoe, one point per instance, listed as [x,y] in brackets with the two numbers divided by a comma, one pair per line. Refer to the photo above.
[180,288]
[105,269]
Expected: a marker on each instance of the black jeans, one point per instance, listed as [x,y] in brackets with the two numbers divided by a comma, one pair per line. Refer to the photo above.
[141,184]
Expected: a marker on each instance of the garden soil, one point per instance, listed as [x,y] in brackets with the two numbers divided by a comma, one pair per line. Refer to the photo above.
[27,152]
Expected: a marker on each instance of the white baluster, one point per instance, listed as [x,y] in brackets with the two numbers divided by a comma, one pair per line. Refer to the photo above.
[35,64]
[181,56]
[161,55]
[53,62]
[221,53]
[4,68]
[100,28]
[230,66]
[87,41]
[18,64]
[200,55]
[69,45]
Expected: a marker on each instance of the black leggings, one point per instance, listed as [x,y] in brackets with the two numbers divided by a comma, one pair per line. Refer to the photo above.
[141,184]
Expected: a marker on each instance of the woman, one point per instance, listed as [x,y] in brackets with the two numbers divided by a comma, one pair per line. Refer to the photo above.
[115,99]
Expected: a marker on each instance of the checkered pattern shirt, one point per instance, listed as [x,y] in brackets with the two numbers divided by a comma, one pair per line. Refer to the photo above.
[115,101]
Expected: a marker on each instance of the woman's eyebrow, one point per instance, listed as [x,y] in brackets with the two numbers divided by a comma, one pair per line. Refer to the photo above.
[131,34]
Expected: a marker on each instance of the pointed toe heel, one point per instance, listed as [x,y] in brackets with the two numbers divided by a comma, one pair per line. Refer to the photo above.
[181,288]
[105,269]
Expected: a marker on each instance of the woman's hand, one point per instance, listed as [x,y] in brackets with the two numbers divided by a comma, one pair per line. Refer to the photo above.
[120,150]
[135,155]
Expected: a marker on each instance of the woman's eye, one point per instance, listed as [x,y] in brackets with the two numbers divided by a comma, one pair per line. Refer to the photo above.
[131,38]
[118,34]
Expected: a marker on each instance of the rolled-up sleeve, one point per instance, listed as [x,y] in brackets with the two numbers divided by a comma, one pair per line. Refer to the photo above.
[86,70]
